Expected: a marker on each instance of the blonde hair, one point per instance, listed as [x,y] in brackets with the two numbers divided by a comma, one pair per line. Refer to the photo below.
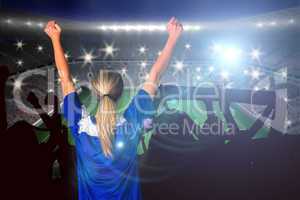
[109,86]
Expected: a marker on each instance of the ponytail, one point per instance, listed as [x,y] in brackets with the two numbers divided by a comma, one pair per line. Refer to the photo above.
[109,86]
[106,121]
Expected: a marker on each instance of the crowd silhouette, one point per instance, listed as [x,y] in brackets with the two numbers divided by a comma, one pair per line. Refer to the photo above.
[176,166]
[28,166]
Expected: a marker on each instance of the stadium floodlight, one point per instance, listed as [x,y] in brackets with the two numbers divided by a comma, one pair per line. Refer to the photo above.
[230,54]
[226,54]
[256,88]
[8,21]
[260,25]
[109,50]
[273,23]
[18,84]
[67,55]
[88,57]
[40,24]
[19,44]
[142,50]
[179,66]
[144,64]
[28,23]
[255,74]
[142,27]
[187,46]
[20,63]
[75,80]
[255,54]
[225,75]
[39,48]
[123,70]
[217,48]
[291,21]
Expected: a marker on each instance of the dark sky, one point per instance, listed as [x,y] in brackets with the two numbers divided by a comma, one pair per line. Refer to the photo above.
[148,9]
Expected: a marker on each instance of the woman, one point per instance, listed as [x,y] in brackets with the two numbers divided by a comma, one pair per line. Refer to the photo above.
[106,149]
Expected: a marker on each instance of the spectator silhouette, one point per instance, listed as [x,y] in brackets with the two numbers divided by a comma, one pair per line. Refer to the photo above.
[26,164]
[63,153]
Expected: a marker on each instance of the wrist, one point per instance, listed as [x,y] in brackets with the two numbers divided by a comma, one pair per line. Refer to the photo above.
[173,38]
[55,40]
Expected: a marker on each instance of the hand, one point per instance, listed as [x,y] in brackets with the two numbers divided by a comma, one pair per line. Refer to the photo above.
[53,30]
[174,28]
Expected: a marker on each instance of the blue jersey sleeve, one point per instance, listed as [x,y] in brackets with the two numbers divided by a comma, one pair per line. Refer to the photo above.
[140,111]
[72,111]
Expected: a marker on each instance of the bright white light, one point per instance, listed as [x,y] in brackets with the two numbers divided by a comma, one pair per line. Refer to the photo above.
[231,54]
[123,70]
[188,46]
[211,69]
[67,56]
[40,24]
[179,65]
[256,88]
[142,50]
[273,23]
[142,27]
[226,54]
[28,23]
[75,80]
[8,21]
[159,53]
[255,54]
[103,28]
[19,44]
[120,145]
[260,25]
[143,64]
[246,72]
[40,48]
[217,48]
[88,57]
[288,122]
[18,84]
[198,77]
[20,63]
[191,27]
[198,69]
[109,50]
[291,21]
[255,74]
[224,75]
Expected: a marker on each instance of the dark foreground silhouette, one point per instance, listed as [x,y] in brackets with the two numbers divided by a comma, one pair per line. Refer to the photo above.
[176,166]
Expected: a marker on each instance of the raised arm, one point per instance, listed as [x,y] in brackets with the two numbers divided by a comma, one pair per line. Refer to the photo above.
[174,29]
[53,30]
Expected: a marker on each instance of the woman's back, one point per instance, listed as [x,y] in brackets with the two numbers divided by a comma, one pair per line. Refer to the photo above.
[99,176]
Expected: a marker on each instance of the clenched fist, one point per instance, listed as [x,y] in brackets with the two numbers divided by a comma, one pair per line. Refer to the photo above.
[53,30]
[174,28]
